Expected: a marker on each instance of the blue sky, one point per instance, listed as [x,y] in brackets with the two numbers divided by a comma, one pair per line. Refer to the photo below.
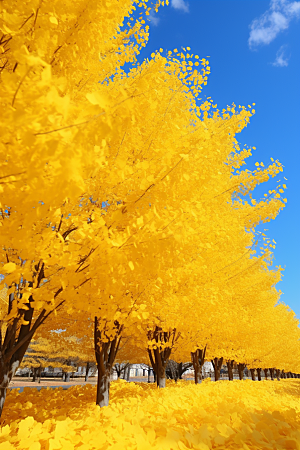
[253,47]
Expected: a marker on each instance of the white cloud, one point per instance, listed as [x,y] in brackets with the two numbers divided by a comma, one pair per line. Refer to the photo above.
[282,59]
[180,4]
[153,18]
[265,28]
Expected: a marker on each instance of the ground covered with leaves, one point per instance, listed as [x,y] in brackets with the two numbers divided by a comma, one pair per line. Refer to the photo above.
[223,415]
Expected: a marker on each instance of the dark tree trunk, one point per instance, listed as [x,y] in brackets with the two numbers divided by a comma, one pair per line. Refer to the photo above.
[252,371]
[230,369]
[159,356]
[6,373]
[106,350]
[241,368]
[198,358]
[118,370]
[87,371]
[34,374]
[258,374]
[154,376]
[217,364]
[39,374]
[272,373]
[266,373]
[277,374]
[14,346]
[103,385]
[19,333]
[180,371]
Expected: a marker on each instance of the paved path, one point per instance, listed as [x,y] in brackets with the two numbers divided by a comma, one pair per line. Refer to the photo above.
[53,383]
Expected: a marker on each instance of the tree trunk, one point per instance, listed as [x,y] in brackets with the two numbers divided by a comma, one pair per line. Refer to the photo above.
[67,377]
[3,386]
[18,335]
[217,364]
[241,368]
[34,374]
[277,374]
[272,374]
[159,356]
[266,373]
[198,358]
[6,374]
[87,371]
[230,369]
[180,372]
[161,379]
[198,373]
[252,371]
[118,369]
[105,352]
[103,385]
[160,371]
[258,374]
[39,374]
[154,376]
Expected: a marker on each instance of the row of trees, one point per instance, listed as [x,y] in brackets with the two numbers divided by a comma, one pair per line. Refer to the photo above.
[128,224]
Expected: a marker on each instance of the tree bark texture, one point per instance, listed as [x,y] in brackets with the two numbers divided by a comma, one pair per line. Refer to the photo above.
[14,346]
[277,374]
[252,371]
[106,349]
[67,376]
[34,374]
[217,364]
[241,368]
[266,373]
[272,374]
[18,335]
[154,376]
[159,355]
[258,374]
[198,358]
[230,364]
